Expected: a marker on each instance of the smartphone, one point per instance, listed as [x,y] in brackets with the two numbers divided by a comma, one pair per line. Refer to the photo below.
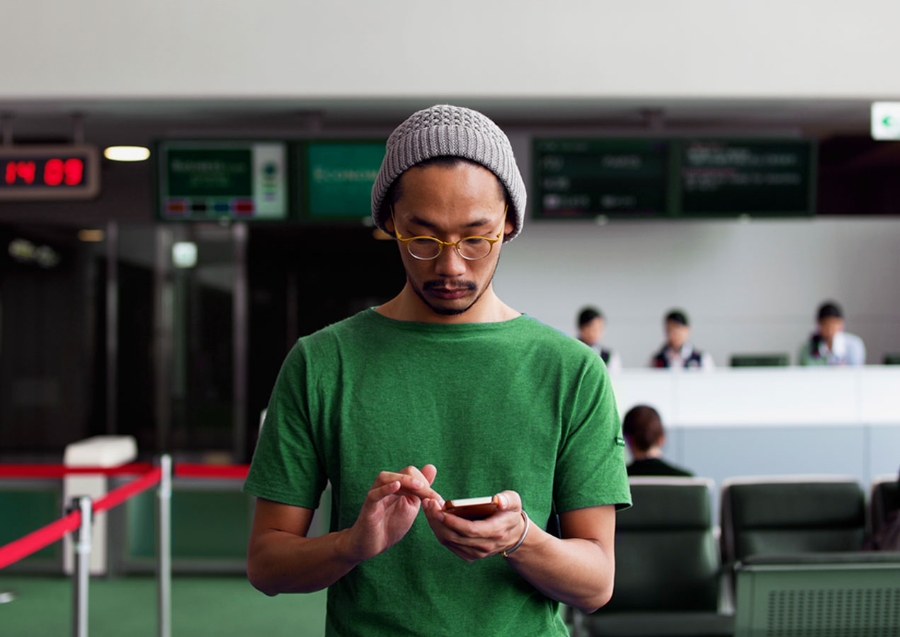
[472,508]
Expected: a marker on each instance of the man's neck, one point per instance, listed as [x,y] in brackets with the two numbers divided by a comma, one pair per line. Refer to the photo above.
[407,306]
[652,452]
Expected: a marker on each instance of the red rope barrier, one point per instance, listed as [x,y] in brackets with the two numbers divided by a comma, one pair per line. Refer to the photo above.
[181,470]
[118,495]
[187,470]
[55,531]
[36,540]
[61,471]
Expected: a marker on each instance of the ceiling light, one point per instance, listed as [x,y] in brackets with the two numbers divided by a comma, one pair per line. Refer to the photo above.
[126,153]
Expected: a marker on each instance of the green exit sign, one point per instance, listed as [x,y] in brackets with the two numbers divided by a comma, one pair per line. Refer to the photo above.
[886,120]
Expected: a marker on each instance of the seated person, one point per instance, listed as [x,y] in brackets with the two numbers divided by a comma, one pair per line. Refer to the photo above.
[678,353]
[591,326]
[830,344]
[643,431]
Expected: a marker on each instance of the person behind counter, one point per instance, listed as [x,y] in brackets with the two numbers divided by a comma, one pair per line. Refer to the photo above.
[643,430]
[678,352]
[830,344]
[443,392]
[591,328]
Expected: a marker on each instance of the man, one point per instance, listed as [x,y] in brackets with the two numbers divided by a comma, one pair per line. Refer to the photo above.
[591,327]
[643,431]
[830,344]
[443,392]
[678,353]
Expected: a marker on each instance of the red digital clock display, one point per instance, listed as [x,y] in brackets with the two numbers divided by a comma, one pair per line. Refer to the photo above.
[62,172]
[52,171]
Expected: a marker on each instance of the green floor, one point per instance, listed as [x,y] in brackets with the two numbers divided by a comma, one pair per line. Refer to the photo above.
[208,606]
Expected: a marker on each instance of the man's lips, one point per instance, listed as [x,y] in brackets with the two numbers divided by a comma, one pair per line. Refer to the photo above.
[448,292]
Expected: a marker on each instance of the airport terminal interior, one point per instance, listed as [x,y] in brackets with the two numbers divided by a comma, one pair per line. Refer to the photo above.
[153,300]
[101,324]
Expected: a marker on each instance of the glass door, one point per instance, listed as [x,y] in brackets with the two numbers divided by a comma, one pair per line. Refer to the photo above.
[201,347]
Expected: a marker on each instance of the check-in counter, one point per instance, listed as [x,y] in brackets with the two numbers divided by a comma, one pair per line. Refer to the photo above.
[774,421]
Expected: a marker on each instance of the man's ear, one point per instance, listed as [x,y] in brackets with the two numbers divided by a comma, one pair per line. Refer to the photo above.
[508,227]
[389,226]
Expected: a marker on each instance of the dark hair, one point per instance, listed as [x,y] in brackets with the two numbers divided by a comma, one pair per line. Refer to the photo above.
[677,316]
[643,427]
[829,309]
[587,315]
[444,161]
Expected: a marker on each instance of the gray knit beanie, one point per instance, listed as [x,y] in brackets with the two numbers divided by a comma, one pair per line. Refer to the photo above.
[449,131]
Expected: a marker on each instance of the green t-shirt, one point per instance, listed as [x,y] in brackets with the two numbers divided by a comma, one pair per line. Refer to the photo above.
[511,405]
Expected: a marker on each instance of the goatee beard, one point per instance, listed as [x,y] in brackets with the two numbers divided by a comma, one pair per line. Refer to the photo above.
[447,311]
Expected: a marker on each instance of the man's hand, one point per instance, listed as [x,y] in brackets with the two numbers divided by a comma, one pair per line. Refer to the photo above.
[389,510]
[476,539]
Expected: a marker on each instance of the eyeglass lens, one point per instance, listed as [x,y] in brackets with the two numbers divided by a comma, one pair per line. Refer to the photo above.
[471,248]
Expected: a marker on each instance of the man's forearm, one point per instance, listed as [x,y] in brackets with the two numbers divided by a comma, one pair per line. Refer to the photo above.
[573,571]
[281,562]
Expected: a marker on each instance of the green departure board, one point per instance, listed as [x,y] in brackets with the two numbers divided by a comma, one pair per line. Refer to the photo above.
[211,180]
[590,178]
[759,178]
[587,178]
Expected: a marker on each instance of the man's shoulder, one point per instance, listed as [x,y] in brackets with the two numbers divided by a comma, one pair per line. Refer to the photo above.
[345,332]
[538,327]
[545,334]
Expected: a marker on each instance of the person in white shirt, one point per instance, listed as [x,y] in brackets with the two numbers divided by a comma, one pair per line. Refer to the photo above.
[591,327]
[830,344]
[678,352]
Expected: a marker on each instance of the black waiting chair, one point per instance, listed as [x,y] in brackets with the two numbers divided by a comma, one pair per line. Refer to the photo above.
[884,505]
[850,594]
[790,515]
[760,360]
[668,570]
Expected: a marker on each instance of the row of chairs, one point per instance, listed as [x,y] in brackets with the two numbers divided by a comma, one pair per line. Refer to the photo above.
[677,572]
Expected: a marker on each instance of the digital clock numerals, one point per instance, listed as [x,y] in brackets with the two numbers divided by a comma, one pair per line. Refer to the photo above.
[44,172]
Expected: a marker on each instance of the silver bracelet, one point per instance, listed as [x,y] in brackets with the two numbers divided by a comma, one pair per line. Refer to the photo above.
[509,552]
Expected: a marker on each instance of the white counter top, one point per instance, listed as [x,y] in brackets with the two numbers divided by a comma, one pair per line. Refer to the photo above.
[774,396]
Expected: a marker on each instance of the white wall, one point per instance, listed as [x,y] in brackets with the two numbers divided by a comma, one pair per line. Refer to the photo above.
[747,287]
[470,48]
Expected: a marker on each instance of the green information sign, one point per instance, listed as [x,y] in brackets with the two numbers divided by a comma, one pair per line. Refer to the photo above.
[588,178]
[340,176]
[210,173]
[747,177]
[211,180]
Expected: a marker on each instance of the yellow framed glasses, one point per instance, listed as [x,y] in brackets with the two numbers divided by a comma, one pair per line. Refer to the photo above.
[427,248]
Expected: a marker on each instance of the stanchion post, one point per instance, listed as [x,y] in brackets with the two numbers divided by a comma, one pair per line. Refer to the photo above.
[164,547]
[82,572]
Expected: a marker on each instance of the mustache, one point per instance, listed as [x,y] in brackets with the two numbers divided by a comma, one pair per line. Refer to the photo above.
[444,285]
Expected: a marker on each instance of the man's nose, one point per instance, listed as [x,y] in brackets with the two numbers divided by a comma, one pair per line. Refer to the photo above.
[449,263]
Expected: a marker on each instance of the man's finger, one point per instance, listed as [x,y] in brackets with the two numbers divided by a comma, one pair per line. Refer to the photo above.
[430,472]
